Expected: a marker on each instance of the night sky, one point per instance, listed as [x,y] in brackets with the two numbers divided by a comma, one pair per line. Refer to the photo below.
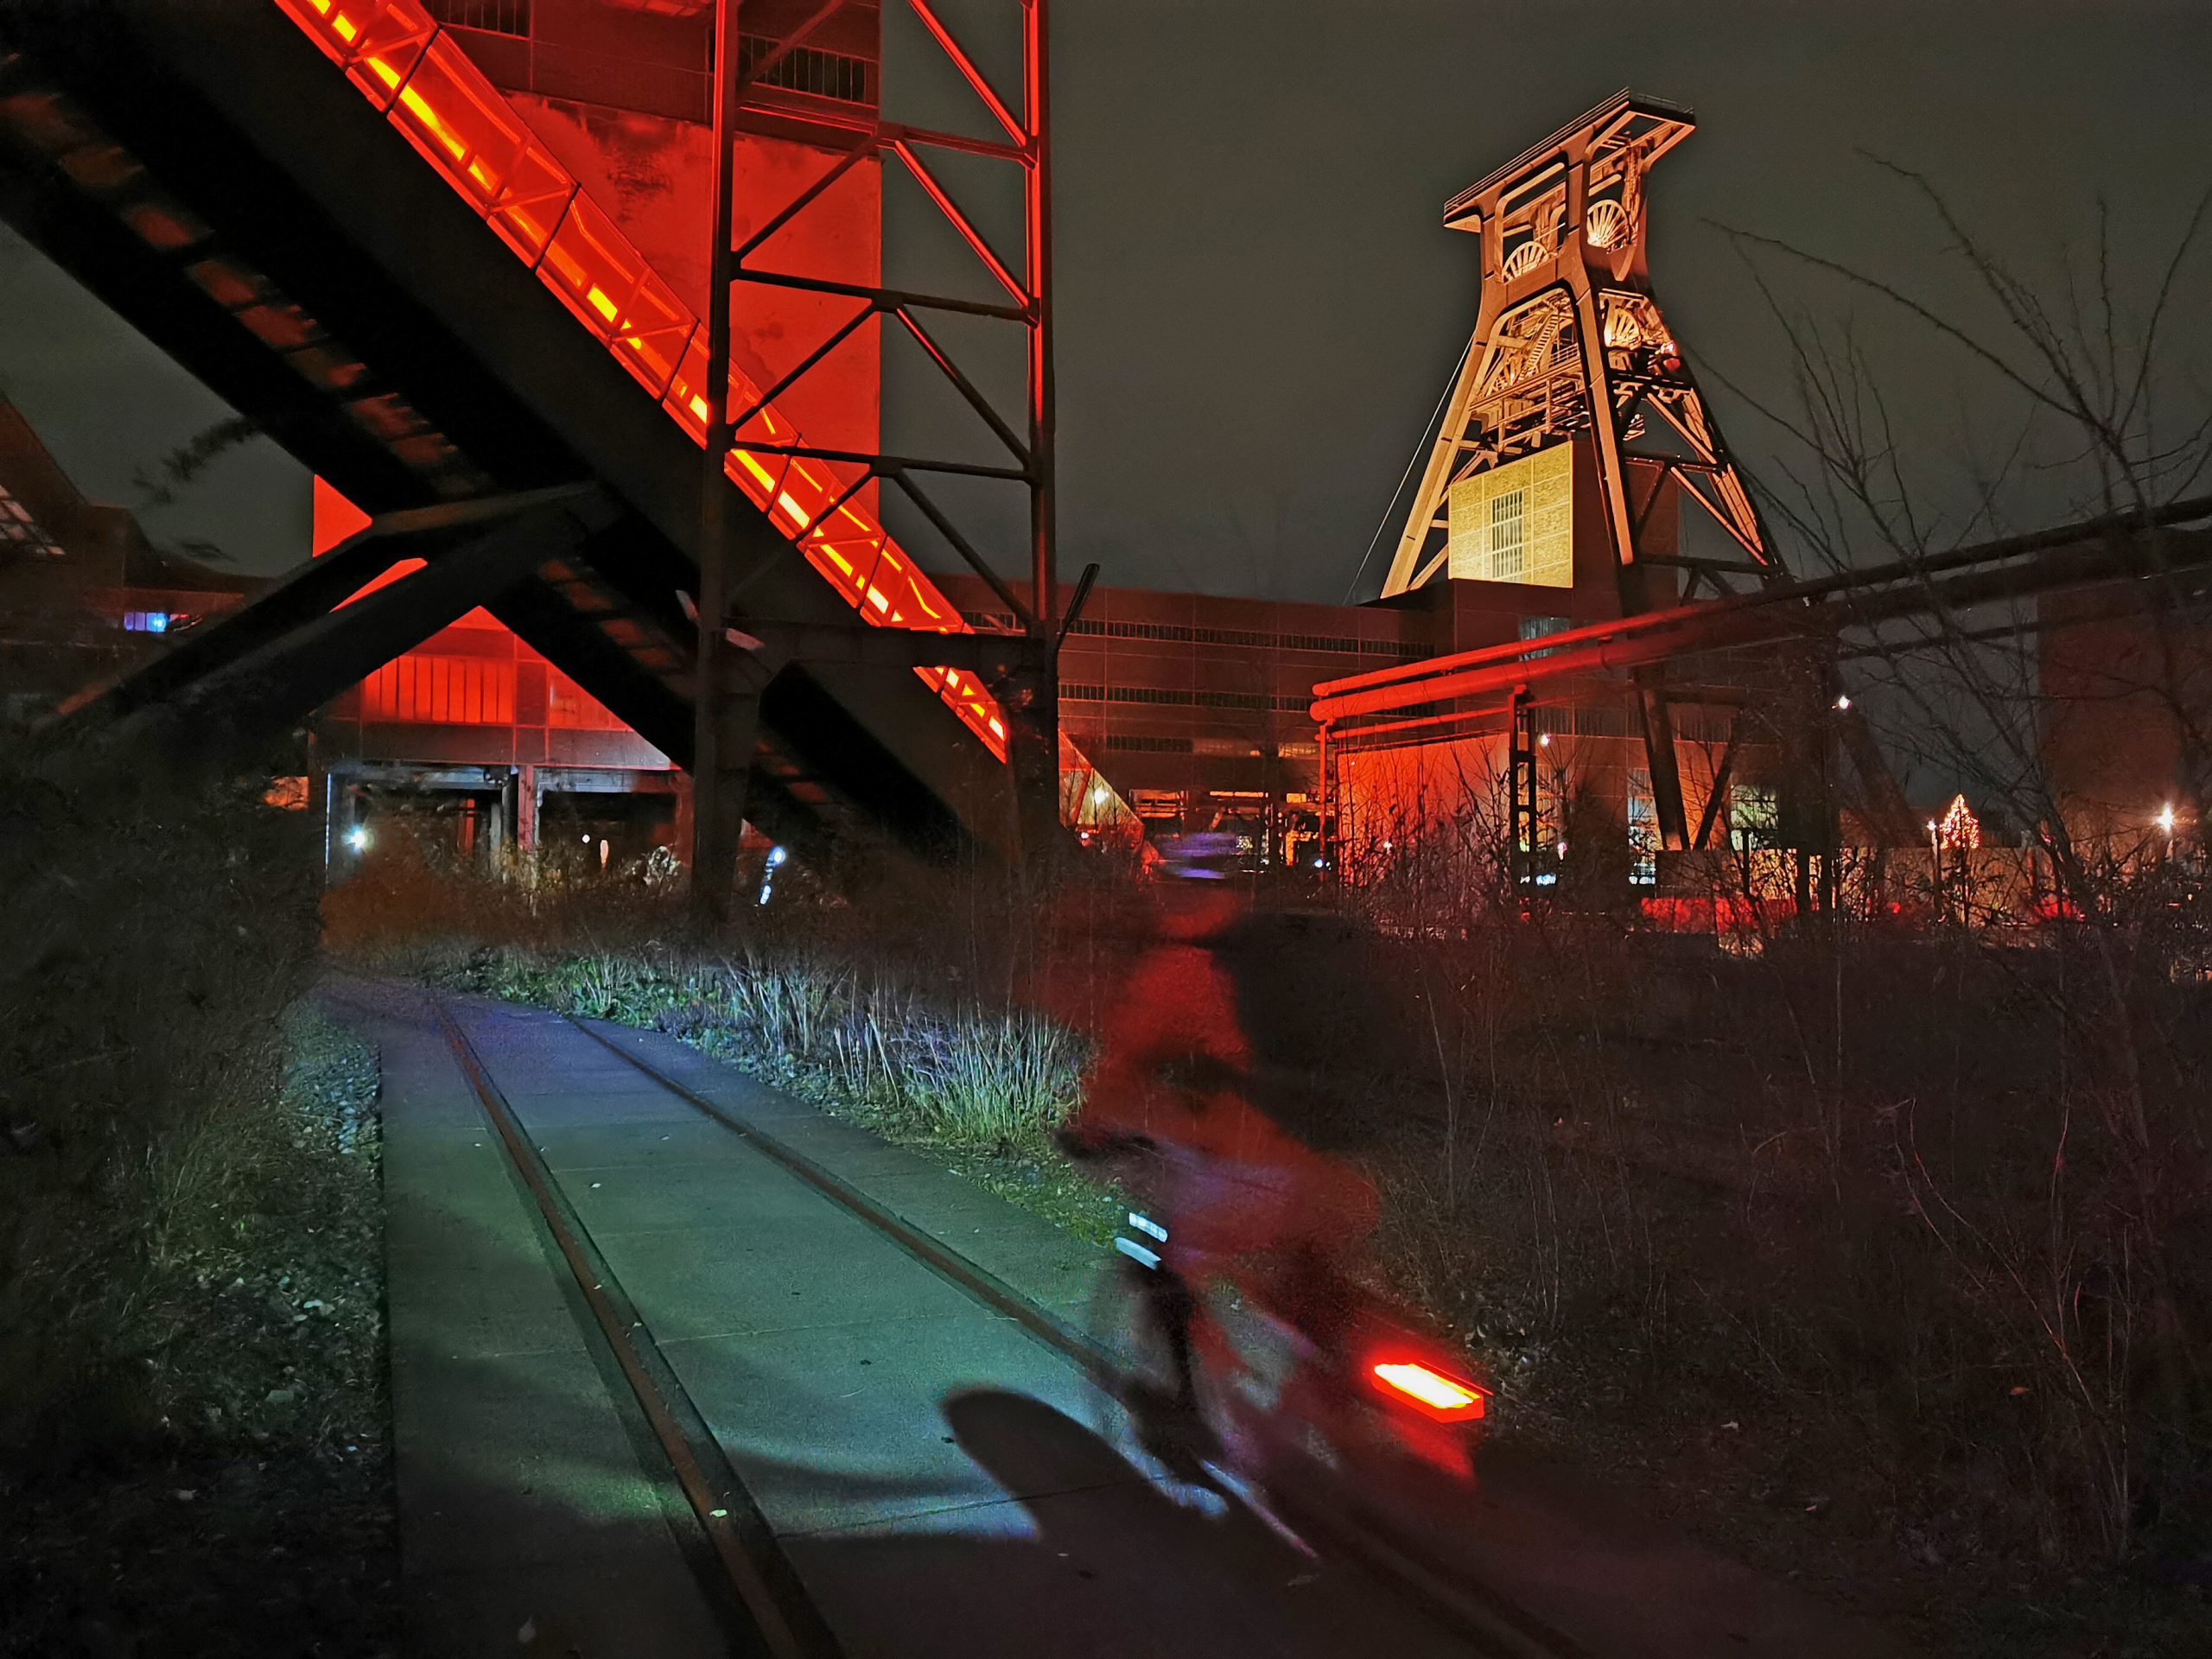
[1259,305]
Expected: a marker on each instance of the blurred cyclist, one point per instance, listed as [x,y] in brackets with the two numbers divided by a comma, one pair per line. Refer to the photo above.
[1169,1102]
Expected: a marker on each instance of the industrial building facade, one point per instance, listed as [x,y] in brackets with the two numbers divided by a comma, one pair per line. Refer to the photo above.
[83,594]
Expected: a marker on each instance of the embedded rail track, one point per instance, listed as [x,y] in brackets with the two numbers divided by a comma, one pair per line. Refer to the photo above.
[755,1578]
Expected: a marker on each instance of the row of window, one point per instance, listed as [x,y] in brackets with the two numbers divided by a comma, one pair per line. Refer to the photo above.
[805,69]
[1250,700]
[1150,743]
[1601,719]
[1316,642]
[1000,622]
[492,16]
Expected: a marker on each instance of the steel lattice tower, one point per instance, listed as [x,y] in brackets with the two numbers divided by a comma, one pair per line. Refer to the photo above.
[1569,345]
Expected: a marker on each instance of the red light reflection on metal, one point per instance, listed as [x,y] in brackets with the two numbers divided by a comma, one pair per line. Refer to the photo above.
[383,579]
[402,61]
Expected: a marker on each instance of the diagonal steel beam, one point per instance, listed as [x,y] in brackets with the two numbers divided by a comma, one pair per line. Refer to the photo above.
[218,717]
[969,73]
[966,387]
[961,223]
[313,591]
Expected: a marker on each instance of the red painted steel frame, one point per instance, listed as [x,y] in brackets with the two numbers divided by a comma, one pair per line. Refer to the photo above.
[400,59]
[1030,293]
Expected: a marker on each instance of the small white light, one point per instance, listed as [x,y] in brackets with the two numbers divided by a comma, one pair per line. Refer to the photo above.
[1842,702]
[1100,795]
[1562,849]
[587,839]
[2166,818]
[1544,742]
[776,857]
[358,837]
[1386,846]
[1137,1252]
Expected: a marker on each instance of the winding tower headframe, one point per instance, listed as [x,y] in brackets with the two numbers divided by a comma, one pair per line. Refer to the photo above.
[1568,340]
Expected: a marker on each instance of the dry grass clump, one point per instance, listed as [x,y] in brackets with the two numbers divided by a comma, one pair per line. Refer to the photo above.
[883,1019]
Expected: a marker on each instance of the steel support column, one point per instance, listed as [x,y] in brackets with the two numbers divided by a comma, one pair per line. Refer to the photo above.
[1028,692]
[723,722]
[1035,751]
[1666,767]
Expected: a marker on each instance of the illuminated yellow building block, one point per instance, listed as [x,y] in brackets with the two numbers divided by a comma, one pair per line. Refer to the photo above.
[1515,523]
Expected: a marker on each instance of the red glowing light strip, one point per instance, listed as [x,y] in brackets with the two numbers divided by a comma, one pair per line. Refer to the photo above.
[578,251]
[1433,1391]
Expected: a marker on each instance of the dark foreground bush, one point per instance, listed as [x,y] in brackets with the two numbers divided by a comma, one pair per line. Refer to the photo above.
[149,951]
[191,1365]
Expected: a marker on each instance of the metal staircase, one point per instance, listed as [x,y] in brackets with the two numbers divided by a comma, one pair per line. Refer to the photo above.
[210,171]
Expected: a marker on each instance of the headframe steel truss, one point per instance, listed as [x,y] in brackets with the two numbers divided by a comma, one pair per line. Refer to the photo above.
[1569,342]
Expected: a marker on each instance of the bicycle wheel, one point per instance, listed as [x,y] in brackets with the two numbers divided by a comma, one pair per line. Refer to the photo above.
[1148,1408]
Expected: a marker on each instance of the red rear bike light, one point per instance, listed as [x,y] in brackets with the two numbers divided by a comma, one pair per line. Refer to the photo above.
[1450,1399]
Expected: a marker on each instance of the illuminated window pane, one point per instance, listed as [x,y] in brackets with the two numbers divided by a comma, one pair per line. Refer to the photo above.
[1508,524]
[1754,817]
[1642,830]
[1539,627]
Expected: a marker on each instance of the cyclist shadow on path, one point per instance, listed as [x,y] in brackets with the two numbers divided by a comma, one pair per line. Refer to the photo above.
[1087,1557]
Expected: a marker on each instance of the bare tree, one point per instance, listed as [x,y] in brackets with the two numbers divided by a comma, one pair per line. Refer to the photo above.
[2092,1254]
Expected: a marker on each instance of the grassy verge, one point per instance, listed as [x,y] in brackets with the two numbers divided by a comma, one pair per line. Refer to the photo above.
[244,1504]
[976,1090]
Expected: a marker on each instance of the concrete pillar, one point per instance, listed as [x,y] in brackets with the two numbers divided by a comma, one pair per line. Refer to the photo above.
[682,845]
[725,776]
[528,799]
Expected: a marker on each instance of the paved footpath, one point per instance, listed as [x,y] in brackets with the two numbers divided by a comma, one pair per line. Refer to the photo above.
[922,1462]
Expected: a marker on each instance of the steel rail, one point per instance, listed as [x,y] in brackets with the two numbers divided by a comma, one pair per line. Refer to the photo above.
[1472,1610]
[1849,589]
[768,1590]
